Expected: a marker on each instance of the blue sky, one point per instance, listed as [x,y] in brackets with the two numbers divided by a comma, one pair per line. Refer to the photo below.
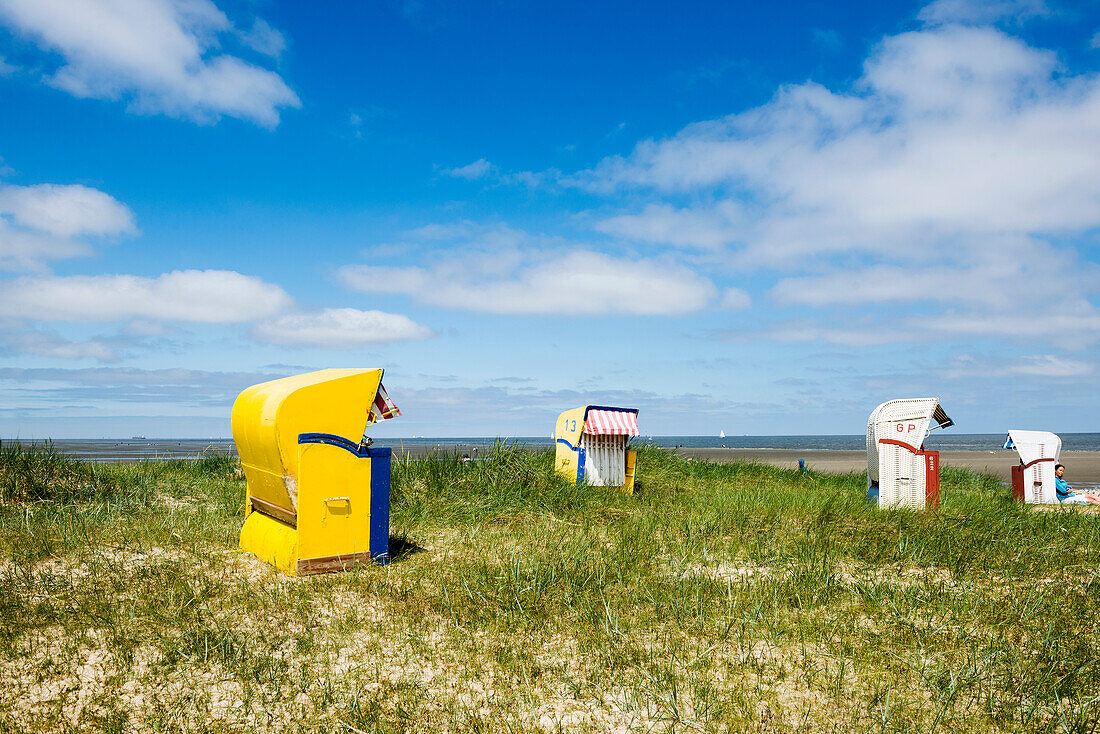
[759,219]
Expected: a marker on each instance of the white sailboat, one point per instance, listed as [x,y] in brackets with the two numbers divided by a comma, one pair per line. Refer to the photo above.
[721,434]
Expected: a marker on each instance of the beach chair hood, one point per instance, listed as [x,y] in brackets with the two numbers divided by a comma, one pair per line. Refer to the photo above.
[1034,446]
[906,421]
[268,418]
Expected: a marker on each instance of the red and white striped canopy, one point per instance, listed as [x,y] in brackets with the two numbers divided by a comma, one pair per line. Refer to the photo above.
[383,408]
[611,423]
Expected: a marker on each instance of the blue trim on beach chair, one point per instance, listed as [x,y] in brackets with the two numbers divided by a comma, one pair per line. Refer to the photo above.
[379,503]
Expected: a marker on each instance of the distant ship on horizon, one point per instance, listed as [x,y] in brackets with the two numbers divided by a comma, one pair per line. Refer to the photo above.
[137,438]
[721,434]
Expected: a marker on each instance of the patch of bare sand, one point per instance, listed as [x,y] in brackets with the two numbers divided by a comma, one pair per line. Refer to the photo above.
[58,677]
[1072,508]
[845,571]
[851,572]
[79,684]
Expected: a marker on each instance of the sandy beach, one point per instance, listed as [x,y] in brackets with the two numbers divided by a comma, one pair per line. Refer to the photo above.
[1081,466]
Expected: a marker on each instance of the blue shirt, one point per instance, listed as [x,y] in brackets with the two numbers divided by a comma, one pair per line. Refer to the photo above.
[1061,486]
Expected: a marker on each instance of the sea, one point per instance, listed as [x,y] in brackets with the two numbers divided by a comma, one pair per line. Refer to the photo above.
[141,449]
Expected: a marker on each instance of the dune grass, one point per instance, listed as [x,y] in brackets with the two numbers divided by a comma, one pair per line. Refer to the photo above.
[735,597]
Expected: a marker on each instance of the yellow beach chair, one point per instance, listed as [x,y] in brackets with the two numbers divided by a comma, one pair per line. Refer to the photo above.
[590,445]
[318,496]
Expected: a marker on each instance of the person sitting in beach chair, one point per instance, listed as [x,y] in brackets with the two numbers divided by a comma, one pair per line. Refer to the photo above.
[1066,495]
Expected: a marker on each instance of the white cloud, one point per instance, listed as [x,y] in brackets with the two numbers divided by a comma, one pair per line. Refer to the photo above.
[142,328]
[1019,290]
[265,39]
[339,328]
[861,332]
[570,282]
[202,296]
[160,54]
[6,69]
[471,171]
[735,299]
[483,170]
[471,235]
[989,276]
[501,409]
[39,223]
[66,211]
[44,344]
[431,232]
[93,388]
[982,11]
[1048,365]
[665,224]
[28,250]
[955,130]
[966,366]
[1075,328]
[876,284]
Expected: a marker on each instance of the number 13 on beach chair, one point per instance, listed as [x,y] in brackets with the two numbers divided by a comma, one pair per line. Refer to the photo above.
[590,445]
[900,473]
[318,496]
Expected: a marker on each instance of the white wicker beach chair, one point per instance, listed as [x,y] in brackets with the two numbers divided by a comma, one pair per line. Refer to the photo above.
[1033,478]
[900,473]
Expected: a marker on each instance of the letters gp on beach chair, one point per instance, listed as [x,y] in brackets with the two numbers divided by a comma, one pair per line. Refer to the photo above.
[590,445]
[900,473]
[1033,478]
[318,497]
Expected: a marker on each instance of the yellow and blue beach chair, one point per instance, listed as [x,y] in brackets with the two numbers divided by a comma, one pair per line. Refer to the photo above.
[591,445]
[318,495]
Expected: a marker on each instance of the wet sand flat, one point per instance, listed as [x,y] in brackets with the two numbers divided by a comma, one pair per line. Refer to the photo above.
[1081,466]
